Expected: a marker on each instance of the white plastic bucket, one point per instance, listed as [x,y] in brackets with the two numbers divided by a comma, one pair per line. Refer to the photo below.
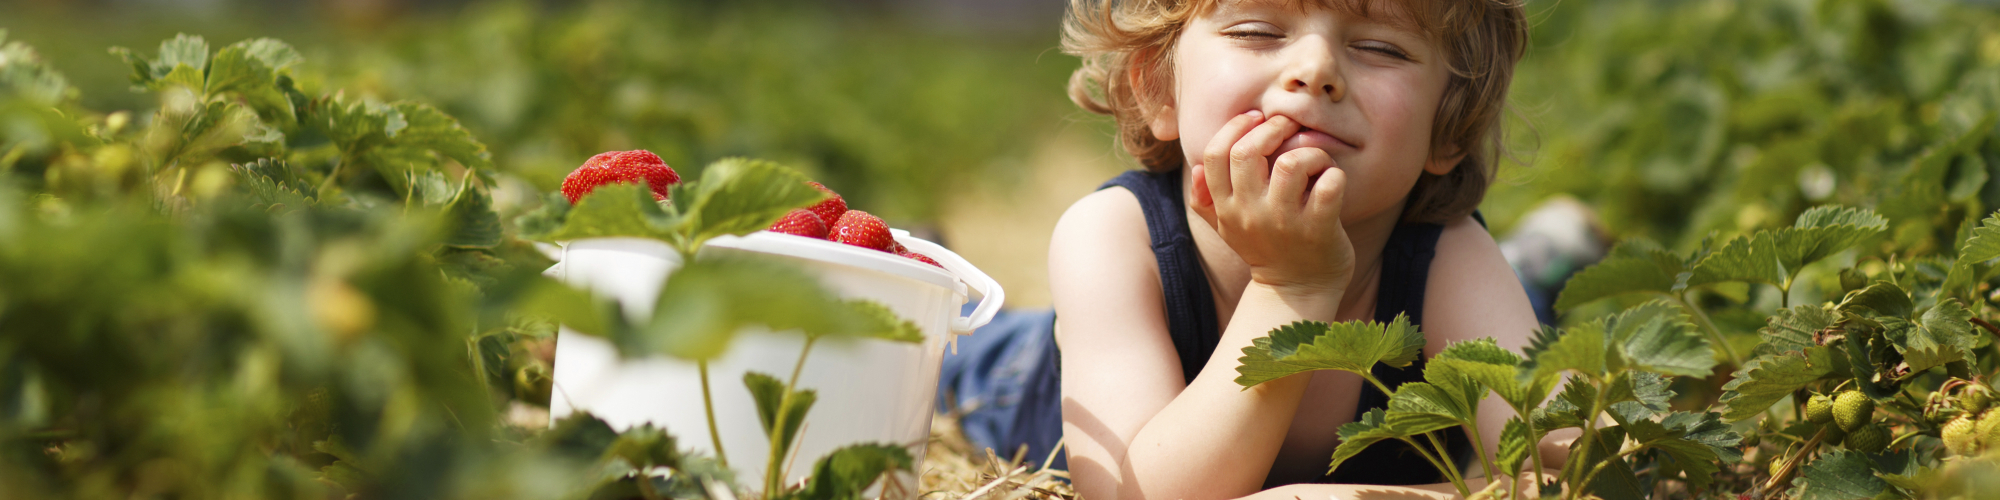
[869,390]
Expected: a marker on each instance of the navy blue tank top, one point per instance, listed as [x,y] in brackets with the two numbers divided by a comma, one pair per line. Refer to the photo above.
[1192,321]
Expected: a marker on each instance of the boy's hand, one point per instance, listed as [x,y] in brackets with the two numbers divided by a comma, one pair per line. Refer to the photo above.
[1282,216]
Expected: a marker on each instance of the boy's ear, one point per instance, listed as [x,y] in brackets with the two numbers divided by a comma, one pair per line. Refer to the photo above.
[1160,116]
[1445,160]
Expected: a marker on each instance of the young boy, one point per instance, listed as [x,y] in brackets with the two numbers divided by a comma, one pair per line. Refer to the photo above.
[1305,160]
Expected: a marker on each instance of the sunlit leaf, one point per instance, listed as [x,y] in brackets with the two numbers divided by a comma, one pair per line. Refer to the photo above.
[1766,379]
[1944,334]
[1837,475]
[1515,444]
[1494,367]
[1354,346]
[769,393]
[1654,336]
[1633,266]
[1883,298]
[1774,256]
[1374,426]
[739,196]
[1794,329]
[615,210]
[848,471]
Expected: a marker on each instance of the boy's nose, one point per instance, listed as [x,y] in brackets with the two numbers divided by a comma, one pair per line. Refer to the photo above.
[1314,69]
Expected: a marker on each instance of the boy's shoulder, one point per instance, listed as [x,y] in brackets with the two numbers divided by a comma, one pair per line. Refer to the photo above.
[1472,292]
[1107,216]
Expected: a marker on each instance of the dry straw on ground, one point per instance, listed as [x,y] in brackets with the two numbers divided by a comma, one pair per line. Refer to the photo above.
[953,470]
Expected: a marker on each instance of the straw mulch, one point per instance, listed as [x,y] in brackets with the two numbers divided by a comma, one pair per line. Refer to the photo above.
[953,470]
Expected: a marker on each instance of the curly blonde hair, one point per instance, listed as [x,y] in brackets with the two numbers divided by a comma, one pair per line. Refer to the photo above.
[1483,39]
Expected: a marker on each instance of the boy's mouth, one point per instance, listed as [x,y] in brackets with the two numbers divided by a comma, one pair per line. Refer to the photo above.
[1308,137]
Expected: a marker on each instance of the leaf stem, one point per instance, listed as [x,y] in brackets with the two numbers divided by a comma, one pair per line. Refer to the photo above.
[1714,333]
[774,476]
[1444,457]
[1573,467]
[1479,445]
[1534,445]
[1449,473]
[1791,464]
[708,405]
[1592,475]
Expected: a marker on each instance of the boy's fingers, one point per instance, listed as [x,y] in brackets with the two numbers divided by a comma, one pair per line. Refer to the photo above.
[1217,152]
[1247,169]
[1204,201]
[1328,192]
[1292,173]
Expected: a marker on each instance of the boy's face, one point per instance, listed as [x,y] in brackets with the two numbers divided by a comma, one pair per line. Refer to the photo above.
[1364,90]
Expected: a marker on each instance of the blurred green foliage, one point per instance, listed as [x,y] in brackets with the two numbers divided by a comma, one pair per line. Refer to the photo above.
[1678,119]
[896,116]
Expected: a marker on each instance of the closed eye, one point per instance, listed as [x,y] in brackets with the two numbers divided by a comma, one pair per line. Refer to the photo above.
[1385,49]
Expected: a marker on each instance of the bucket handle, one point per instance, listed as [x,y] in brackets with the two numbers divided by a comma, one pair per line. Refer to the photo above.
[991,296]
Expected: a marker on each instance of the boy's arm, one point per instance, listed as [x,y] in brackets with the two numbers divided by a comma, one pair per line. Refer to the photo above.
[1133,428]
[1472,293]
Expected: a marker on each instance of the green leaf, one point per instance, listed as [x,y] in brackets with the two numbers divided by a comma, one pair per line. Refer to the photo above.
[275,54]
[275,183]
[183,50]
[1617,481]
[429,129]
[615,210]
[1637,395]
[1982,246]
[1766,379]
[1634,266]
[1495,368]
[1569,408]
[236,70]
[1374,426]
[1514,446]
[848,471]
[769,393]
[645,447]
[1427,404]
[538,224]
[1688,438]
[579,436]
[1944,334]
[705,303]
[1352,346]
[1838,475]
[472,221]
[882,323]
[1775,256]
[1882,298]
[570,307]
[1654,336]
[739,196]
[1794,329]
[1657,337]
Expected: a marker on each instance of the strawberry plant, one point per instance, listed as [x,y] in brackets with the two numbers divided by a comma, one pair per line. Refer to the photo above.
[258,291]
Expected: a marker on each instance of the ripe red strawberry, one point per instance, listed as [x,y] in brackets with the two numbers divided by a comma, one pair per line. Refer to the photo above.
[831,208]
[861,229]
[801,222]
[919,258]
[620,167]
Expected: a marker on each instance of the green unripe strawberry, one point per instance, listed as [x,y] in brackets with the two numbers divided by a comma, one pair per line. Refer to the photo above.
[1960,436]
[1988,429]
[1819,409]
[1975,399]
[1834,435]
[1851,279]
[1851,409]
[1750,440]
[1869,438]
